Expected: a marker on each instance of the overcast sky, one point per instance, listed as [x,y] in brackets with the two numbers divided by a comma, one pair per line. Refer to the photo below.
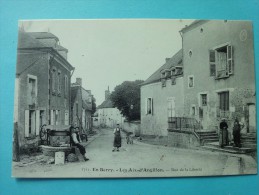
[108,52]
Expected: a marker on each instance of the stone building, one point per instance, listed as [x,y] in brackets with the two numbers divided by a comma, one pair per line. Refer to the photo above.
[216,81]
[219,77]
[162,97]
[42,93]
[108,115]
[81,106]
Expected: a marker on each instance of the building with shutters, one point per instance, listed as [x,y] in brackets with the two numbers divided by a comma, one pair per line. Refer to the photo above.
[210,78]
[162,96]
[42,93]
[219,77]
[81,106]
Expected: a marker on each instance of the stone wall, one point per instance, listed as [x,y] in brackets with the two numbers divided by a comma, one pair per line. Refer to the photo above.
[133,127]
[182,139]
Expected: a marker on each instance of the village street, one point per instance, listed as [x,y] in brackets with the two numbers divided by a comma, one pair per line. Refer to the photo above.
[140,160]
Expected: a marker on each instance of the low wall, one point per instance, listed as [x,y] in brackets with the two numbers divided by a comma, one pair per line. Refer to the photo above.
[182,139]
[133,127]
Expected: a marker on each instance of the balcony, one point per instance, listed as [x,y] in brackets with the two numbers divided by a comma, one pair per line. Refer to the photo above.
[221,74]
[223,113]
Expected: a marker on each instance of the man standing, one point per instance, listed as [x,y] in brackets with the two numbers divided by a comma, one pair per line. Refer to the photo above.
[76,142]
[117,138]
[236,133]
[223,136]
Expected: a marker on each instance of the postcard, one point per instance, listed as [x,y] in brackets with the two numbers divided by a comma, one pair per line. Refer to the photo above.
[120,98]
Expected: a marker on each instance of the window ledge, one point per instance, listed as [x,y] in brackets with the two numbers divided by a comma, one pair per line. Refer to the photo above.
[31,137]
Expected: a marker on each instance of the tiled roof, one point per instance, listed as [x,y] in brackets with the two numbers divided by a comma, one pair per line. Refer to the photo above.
[42,35]
[176,60]
[106,104]
[27,41]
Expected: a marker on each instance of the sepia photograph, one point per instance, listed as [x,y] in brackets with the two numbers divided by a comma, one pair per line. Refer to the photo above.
[130,98]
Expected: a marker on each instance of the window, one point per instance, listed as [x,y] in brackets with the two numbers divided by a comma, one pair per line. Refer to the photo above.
[53,78]
[173,79]
[30,123]
[212,63]
[32,89]
[57,117]
[221,61]
[149,106]
[224,101]
[193,111]
[203,99]
[59,82]
[190,81]
[66,86]
[77,111]
[42,118]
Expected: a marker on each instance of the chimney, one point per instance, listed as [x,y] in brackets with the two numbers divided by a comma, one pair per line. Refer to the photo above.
[167,59]
[107,94]
[79,81]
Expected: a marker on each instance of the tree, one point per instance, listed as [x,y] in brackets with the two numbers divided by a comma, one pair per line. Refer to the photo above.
[126,97]
[93,105]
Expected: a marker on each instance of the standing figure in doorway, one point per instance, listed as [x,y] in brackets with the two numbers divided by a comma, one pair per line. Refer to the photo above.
[117,138]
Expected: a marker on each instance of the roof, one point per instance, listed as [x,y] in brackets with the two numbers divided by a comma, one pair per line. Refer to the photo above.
[27,41]
[43,35]
[106,104]
[176,60]
[74,90]
[193,25]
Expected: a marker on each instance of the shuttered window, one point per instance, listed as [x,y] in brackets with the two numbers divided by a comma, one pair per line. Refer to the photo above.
[212,63]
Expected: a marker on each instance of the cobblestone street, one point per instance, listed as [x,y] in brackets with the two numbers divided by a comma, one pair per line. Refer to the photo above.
[141,160]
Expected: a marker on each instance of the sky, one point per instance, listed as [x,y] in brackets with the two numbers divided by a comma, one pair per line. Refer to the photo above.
[108,52]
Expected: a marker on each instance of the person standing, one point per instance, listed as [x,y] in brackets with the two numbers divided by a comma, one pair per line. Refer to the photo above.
[76,142]
[117,138]
[236,133]
[223,138]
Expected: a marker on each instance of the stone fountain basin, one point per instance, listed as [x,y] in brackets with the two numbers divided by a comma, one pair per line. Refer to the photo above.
[50,150]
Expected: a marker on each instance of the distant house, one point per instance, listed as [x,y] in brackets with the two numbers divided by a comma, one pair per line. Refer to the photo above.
[42,85]
[81,106]
[162,97]
[219,77]
[108,115]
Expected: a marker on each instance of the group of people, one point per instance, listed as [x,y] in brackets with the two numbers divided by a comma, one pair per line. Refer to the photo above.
[76,140]
[236,132]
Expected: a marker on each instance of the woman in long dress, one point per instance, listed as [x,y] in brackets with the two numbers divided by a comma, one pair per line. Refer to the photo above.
[117,138]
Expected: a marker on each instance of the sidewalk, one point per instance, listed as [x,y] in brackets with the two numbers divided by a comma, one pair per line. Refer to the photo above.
[246,164]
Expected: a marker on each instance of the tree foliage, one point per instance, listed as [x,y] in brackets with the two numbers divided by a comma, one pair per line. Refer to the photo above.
[126,97]
[93,105]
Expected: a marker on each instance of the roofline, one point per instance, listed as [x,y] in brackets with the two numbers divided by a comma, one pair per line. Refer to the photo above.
[193,25]
[53,51]
[157,81]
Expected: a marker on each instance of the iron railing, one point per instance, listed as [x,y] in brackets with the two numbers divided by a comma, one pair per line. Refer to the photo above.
[183,123]
[223,113]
